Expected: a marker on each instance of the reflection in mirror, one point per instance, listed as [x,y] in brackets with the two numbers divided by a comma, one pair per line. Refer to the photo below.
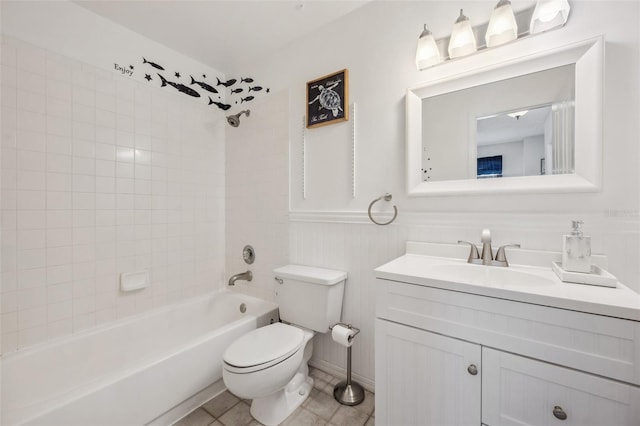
[523,143]
[522,126]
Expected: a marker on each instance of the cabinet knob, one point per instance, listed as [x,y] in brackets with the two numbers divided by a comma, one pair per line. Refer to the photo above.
[559,413]
[472,369]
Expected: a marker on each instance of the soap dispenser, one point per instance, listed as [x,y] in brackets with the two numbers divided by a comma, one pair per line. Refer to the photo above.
[576,250]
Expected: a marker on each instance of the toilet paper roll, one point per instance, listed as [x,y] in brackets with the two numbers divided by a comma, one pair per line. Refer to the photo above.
[342,335]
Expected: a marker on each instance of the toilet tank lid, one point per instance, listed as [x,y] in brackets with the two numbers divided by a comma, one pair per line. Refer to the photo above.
[311,274]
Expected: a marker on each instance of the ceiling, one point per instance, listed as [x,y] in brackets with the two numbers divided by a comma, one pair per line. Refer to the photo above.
[502,128]
[223,34]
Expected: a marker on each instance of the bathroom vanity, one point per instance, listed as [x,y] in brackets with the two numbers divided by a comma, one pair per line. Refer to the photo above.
[462,344]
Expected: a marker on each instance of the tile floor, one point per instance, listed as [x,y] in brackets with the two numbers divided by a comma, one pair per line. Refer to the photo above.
[320,409]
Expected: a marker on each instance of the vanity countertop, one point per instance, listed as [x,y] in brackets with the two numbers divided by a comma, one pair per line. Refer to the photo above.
[534,284]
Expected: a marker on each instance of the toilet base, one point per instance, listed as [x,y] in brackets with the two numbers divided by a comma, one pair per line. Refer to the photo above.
[273,409]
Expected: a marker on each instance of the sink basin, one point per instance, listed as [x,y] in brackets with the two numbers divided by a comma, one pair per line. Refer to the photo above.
[490,276]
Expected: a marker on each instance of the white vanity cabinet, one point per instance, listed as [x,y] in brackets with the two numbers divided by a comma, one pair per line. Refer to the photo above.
[534,364]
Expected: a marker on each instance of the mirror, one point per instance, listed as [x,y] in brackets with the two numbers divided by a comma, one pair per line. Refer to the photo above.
[519,122]
[530,124]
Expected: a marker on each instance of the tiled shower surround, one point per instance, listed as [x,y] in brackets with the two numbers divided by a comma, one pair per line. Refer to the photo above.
[101,175]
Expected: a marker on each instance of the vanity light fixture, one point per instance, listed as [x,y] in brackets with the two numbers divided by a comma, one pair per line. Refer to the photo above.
[463,41]
[548,15]
[502,25]
[427,52]
[502,28]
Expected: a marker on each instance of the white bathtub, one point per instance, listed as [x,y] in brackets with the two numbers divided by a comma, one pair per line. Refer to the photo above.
[131,372]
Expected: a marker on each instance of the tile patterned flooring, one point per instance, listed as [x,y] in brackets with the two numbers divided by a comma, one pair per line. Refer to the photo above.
[320,409]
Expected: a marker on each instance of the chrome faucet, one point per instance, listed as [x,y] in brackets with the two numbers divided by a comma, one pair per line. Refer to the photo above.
[487,258]
[248,276]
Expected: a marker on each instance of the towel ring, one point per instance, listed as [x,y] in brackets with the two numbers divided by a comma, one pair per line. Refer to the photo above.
[386,197]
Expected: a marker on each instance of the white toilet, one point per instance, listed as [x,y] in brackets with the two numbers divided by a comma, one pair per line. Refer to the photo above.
[269,364]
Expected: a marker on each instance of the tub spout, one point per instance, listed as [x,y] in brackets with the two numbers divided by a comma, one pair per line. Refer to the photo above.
[243,276]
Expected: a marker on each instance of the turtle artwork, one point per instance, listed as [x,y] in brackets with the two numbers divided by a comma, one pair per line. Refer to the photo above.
[329,99]
[326,99]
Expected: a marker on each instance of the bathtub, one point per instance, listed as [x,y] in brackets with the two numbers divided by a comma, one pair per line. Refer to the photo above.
[135,371]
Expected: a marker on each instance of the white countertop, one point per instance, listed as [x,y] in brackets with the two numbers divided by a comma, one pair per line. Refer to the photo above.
[419,266]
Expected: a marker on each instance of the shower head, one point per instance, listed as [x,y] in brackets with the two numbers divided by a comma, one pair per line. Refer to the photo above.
[234,120]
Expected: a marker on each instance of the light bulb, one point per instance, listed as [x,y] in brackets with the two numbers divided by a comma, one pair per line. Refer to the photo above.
[502,25]
[462,41]
[549,14]
[427,52]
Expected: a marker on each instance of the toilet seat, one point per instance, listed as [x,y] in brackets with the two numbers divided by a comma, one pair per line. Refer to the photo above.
[263,347]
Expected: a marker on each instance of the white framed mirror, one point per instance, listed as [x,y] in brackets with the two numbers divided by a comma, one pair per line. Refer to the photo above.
[532,123]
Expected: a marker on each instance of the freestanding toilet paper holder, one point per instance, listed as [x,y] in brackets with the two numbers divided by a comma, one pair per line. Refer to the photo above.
[348,392]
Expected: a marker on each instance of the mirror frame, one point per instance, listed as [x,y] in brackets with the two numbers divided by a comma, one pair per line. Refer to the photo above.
[587,55]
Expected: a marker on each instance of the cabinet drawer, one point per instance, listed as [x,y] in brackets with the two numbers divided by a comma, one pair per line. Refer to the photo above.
[521,391]
[597,344]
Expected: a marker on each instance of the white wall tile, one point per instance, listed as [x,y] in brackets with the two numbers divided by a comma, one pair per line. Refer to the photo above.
[58,275]
[59,292]
[84,196]
[31,200]
[60,328]
[31,59]
[31,82]
[31,239]
[31,140]
[29,101]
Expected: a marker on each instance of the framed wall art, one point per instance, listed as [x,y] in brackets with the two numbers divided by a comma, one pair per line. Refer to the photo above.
[328,99]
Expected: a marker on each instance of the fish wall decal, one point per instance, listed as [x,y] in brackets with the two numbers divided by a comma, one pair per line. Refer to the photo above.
[153,64]
[180,87]
[238,90]
[204,85]
[247,99]
[246,80]
[220,105]
[255,89]
[226,83]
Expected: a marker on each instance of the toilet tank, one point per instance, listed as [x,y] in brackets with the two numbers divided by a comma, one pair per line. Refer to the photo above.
[310,297]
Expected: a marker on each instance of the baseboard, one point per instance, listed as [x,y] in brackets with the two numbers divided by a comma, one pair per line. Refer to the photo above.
[189,405]
[340,372]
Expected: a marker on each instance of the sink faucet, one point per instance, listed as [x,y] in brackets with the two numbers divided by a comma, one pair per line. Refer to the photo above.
[487,258]
[487,254]
[243,276]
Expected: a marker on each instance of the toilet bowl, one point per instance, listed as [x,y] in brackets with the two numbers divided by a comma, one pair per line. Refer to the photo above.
[269,366]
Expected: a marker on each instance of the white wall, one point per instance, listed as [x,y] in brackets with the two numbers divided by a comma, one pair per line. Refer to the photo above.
[101,174]
[377,44]
[257,202]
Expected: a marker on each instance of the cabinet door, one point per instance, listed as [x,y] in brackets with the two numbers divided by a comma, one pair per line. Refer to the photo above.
[521,391]
[424,378]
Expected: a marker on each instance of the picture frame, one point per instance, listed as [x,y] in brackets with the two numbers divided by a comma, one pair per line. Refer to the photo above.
[328,99]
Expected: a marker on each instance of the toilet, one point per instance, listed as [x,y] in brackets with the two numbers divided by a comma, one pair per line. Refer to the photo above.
[270,364]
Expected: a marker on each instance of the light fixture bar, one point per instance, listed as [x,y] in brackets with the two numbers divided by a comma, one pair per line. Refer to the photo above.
[523,19]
